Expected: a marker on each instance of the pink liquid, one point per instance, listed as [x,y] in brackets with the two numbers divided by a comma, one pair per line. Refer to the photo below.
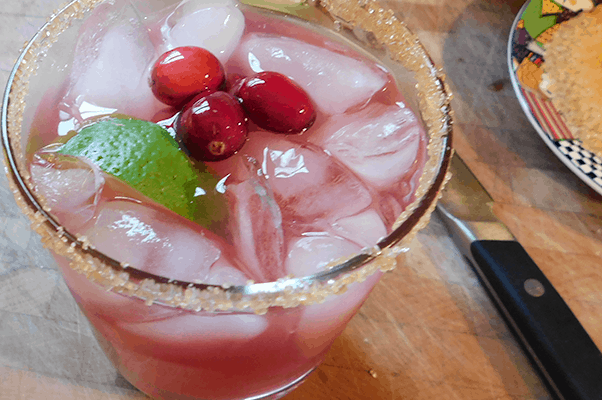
[176,354]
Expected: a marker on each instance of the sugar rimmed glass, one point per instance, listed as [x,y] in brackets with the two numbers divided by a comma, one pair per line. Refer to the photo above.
[169,373]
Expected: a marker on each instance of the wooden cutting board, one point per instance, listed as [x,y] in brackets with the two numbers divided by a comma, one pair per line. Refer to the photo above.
[428,331]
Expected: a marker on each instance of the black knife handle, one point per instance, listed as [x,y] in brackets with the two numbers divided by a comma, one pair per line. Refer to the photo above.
[568,359]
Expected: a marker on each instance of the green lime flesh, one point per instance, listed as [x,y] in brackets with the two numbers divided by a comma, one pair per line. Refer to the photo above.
[144,155]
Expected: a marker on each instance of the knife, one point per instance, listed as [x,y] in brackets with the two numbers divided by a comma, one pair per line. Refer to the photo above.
[564,354]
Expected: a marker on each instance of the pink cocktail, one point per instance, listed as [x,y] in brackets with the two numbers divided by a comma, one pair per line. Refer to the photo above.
[246,307]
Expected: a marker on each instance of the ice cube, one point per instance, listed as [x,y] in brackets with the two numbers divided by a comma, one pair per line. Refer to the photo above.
[322,323]
[150,238]
[70,187]
[201,329]
[211,24]
[311,253]
[381,143]
[110,305]
[222,273]
[308,184]
[364,229]
[112,63]
[335,82]
[257,222]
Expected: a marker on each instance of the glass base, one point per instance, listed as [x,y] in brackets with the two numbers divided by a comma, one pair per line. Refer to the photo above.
[112,355]
[283,391]
[273,395]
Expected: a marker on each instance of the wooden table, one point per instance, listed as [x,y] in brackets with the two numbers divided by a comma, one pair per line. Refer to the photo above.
[428,331]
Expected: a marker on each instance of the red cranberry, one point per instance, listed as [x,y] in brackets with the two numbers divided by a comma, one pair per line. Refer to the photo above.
[233,82]
[276,103]
[182,73]
[212,127]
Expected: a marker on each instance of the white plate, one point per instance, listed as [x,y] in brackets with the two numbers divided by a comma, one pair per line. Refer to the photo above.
[548,123]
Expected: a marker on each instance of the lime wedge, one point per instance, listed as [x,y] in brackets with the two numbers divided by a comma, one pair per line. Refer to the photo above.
[144,155]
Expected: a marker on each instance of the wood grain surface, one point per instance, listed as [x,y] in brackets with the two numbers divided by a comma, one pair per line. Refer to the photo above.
[428,331]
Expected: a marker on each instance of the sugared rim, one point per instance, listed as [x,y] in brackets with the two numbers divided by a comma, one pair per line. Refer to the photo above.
[402,46]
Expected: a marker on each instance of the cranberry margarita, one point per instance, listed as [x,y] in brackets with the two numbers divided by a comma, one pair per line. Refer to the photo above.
[305,169]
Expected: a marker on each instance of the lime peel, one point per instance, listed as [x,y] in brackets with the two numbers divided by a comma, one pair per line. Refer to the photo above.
[144,155]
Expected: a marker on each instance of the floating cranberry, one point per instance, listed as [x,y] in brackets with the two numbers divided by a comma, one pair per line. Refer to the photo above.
[182,73]
[276,103]
[212,127]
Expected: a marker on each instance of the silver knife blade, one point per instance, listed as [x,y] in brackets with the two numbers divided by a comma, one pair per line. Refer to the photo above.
[466,202]
[565,355]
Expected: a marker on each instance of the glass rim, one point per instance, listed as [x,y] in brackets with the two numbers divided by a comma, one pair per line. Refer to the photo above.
[258,297]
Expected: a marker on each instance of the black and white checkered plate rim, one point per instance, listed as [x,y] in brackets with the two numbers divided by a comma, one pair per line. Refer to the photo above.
[587,162]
